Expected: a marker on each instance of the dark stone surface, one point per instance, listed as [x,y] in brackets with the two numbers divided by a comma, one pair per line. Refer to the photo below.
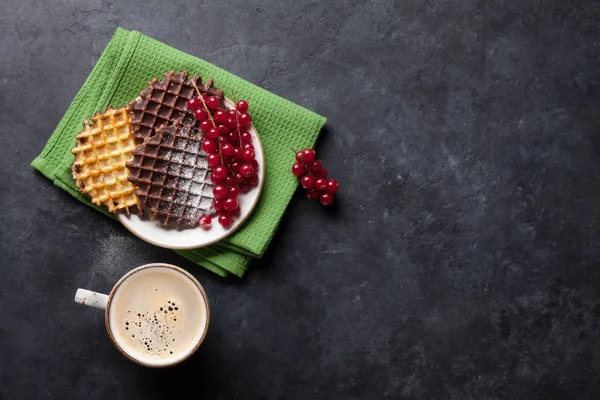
[462,261]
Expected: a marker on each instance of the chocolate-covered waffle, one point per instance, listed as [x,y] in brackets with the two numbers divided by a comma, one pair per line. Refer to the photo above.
[165,101]
[170,168]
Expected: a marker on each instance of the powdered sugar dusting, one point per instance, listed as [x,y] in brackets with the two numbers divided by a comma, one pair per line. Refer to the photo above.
[111,260]
[186,172]
[177,157]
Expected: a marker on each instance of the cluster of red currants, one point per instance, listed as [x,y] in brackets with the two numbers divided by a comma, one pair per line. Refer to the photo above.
[231,156]
[314,177]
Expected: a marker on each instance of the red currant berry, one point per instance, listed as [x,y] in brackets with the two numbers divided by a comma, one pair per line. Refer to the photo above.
[322,173]
[201,114]
[249,155]
[225,220]
[308,155]
[230,203]
[221,116]
[315,166]
[230,182]
[213,133]
[246,137]
[205,222]
[215,180]
[232,114]
[194,103]
[239,179]
[233,137]
[213,102]
[242,106]
[220,191]
[204,97]
[221,172]
[244,187]
[313,194]
[244,119]
[223,129]
[332,186]
[254,164]
[218,204]
[233,191]
[231,122]
[320,184]
[238,154]
[252,179]
[307,181]
[227,149]
[246,170]
[235,166]
[298,169]
[206,125]
[209,146]
[300,156]
[213,160]
[326,199]
[248,146]
[223,140]
[235,212]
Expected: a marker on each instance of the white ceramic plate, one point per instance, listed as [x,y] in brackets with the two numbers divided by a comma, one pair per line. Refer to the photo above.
[152,232]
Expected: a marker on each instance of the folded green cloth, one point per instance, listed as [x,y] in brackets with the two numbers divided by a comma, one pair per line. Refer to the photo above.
[129,61]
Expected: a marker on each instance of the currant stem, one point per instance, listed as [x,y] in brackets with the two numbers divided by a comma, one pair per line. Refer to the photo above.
[237,124]
[204,104]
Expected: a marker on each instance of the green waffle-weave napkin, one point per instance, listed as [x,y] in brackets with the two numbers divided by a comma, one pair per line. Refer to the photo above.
[129,61]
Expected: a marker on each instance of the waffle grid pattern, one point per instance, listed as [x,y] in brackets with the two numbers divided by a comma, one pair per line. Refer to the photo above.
[172,174]
[103,148]
[162,102]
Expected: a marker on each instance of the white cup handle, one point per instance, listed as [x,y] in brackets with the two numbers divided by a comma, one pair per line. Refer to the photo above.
[92,299]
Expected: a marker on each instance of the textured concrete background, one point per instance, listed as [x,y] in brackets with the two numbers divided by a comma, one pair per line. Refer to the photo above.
[462,261]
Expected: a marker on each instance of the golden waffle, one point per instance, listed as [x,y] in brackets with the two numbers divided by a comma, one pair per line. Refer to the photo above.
[103,148]
[171,171]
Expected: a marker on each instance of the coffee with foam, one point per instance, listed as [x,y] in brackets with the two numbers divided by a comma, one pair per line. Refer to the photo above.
[158,315]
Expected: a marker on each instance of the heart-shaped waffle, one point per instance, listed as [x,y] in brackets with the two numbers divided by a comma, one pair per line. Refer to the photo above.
[171,170]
